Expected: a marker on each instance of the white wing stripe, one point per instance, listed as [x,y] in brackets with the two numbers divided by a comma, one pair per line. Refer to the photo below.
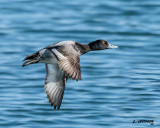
[58,54]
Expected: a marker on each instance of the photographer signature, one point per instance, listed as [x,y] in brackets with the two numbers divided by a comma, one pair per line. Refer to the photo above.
[144,121]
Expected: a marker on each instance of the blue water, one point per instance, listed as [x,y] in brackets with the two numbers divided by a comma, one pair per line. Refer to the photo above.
[118,86]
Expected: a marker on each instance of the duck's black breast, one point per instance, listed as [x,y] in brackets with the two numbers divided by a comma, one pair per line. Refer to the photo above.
[80,48]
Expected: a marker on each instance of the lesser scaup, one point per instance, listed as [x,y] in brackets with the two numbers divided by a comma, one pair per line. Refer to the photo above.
[62,62]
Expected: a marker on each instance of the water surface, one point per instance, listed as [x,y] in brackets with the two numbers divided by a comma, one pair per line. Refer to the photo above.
[117,86]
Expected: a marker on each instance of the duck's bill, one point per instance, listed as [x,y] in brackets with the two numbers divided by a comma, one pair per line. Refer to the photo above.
[112,46]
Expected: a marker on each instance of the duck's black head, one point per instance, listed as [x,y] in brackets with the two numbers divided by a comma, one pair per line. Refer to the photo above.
[100,45]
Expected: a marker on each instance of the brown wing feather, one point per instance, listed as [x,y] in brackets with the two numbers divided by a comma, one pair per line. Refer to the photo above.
[71,67]
[68,63]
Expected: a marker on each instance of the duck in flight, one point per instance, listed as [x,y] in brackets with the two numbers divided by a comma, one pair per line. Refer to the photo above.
[62,62]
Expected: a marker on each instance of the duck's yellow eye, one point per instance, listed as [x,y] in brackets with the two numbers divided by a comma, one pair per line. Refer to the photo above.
[103,42]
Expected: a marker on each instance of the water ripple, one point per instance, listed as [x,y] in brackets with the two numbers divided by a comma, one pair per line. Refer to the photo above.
[117,87]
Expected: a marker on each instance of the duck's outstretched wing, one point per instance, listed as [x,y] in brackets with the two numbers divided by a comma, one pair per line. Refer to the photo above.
[71,67]
[55,84]
[69,64]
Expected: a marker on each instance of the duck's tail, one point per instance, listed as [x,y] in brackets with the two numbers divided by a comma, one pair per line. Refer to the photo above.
[34,58]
